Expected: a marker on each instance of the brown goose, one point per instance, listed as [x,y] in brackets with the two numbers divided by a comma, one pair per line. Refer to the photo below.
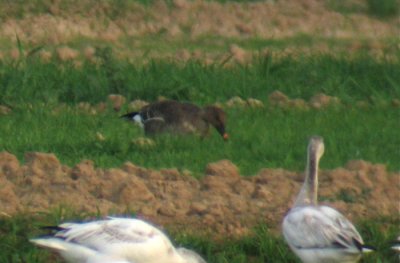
[179,118]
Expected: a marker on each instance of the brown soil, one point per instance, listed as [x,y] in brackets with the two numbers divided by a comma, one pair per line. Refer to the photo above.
[222,202]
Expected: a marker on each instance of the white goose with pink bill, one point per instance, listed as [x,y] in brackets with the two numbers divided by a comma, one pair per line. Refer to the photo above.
[316,233]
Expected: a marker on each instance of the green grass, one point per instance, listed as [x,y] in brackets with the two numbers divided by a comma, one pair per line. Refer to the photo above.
[269,137]
[346,7]
[266,138]
[384,8]
[378,8]
[359,78]
[161,43]
[259,247]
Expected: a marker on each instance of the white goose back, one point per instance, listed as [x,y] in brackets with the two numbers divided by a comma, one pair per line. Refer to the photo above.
[319,234]
[130,240]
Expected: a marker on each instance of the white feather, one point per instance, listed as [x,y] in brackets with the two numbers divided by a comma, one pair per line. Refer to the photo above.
[132,240]
[396,247]
[319,234]
[74,252]
[138,119]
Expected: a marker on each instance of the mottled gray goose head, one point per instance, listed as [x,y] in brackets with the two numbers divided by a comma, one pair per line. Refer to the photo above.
[217,118]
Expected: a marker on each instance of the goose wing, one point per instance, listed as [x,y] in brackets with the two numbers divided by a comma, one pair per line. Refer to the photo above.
[320,227]
[76,253]
[127,238]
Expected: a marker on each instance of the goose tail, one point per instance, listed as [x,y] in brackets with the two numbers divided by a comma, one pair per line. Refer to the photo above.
[367,249]
[53,243]
[395,245]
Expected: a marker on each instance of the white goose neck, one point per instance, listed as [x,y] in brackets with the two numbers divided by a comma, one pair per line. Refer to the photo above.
[309,192]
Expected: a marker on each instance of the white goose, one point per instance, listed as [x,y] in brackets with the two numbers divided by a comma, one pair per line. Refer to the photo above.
[76,253]
[115,240]
[319,234]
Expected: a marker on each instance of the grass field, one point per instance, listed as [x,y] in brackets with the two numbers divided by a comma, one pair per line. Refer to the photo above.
[351,79]
[259,247]
[267,137]
[270,136]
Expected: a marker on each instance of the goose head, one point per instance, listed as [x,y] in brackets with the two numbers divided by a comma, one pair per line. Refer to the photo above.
[216,117]
[315,149]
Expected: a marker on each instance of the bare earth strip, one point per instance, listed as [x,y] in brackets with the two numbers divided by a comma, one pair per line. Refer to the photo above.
[163,30]
[222,202]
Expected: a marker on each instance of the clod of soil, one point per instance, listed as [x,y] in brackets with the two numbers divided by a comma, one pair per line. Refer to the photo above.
[117,101]
[4,110]
[222,202]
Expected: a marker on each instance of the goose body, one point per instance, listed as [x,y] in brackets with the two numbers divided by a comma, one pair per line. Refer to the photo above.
[179,118]
[396,245]
[319,234]
[116,240]
[72,252]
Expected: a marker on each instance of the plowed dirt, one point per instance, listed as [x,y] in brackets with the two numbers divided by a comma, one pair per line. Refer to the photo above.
[222,202]
[63,30]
